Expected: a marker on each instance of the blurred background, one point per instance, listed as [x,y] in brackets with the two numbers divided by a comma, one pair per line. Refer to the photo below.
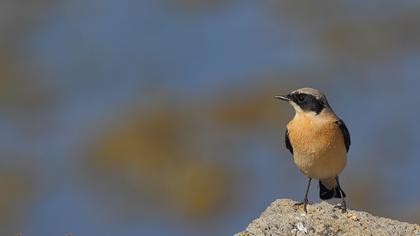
[157,117]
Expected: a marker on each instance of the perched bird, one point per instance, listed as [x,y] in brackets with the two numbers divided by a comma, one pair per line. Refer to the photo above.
[319,142]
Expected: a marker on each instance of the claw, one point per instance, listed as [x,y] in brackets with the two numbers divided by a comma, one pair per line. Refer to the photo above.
[343,208]
[298,204]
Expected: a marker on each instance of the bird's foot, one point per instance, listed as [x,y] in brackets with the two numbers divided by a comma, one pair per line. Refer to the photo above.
[342,207]
[304,203]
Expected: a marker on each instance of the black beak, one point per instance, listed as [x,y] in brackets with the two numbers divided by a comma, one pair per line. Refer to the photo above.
[284,98]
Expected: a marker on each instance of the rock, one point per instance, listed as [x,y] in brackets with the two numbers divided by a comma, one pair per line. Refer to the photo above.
[283,218]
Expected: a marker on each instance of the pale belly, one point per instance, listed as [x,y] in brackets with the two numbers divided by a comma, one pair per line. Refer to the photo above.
[321,165]
[319,149]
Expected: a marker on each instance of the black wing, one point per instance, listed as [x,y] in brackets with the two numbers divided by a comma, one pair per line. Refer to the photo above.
[345,132]
[288,144]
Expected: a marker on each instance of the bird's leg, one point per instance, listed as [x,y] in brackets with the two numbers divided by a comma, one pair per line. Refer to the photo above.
[343,206]
[305,200]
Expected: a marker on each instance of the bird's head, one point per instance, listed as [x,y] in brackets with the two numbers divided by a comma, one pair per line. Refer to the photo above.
[306,100]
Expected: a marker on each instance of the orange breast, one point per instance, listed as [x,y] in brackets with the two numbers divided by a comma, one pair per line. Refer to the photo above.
[318,145]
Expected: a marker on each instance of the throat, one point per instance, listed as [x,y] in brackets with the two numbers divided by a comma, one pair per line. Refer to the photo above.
[312,117]
[307,114]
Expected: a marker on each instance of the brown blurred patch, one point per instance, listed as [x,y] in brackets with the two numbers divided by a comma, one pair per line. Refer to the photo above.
[22,97]
[364,42]
[20,94]
[371,40]
[20,18]
[149,152]
[23,100]
[247,108]
[344,37]
[199,187]
[308,12]
[16,192]
[147,140]
[245,112]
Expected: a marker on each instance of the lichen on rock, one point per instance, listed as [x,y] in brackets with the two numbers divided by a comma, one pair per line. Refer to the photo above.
[282,217]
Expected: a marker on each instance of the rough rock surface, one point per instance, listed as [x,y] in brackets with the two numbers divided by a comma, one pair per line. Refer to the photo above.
[283,218]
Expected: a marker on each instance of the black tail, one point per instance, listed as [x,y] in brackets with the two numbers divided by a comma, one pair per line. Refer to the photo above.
[325,193]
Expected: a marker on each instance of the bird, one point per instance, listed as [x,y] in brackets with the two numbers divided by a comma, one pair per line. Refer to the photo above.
[319,142]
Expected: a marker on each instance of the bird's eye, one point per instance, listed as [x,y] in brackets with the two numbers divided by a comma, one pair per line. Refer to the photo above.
[301,97]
